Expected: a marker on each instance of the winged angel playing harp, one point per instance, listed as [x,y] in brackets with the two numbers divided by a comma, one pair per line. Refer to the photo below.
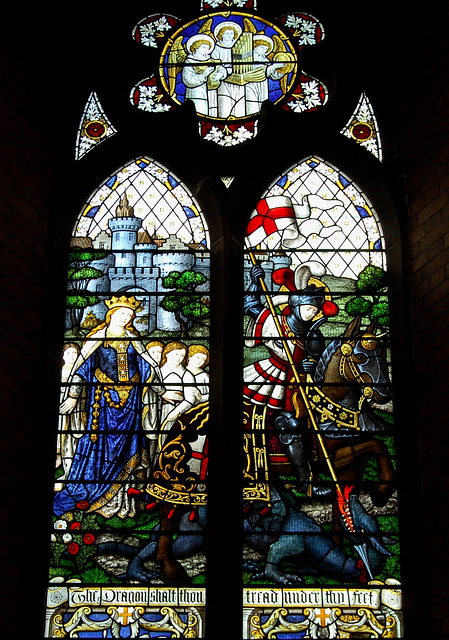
[226,69]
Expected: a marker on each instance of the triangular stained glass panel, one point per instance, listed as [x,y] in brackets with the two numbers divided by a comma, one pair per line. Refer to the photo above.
[363,128]
[94,127]
[227,181]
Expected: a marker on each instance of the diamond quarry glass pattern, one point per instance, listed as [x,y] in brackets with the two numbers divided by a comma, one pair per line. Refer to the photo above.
[130,492]
[320,505]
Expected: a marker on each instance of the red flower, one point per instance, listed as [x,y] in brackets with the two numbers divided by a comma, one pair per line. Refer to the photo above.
[73,548]
[82,504]
[88,538]
[75,525]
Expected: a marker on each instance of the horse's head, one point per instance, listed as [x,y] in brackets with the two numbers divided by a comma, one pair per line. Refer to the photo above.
[363,360]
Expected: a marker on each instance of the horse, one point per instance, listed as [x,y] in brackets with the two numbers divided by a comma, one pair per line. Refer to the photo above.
[351,374]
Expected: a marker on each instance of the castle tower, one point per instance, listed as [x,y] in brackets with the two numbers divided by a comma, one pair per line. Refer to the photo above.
[133,269]
[124,229]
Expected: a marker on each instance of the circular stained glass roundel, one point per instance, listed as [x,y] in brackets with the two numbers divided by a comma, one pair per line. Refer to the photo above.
[95,129]
[362,131]
[228,65]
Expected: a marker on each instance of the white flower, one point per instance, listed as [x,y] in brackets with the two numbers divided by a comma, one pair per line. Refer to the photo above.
[53,538]
[147,101]
[309,98]
[162,24]
[66,538]
[242,134]
[293,21]
[214,135]
[305,30]
[228,138]
[60,524]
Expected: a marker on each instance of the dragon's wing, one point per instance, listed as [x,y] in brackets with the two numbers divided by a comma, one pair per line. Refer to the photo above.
[176,58]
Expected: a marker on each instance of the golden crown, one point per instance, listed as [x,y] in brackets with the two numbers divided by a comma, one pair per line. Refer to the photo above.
[123,301]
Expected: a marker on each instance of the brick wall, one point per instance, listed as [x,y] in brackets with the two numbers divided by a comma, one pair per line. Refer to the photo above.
[26,184]
[425,114]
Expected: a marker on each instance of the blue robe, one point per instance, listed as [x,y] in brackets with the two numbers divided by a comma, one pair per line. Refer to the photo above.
[113,444]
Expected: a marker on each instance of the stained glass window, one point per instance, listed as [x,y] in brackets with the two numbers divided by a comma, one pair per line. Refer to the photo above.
[321,554]
[320,504]
[362,127]
[132,448]
[94,127]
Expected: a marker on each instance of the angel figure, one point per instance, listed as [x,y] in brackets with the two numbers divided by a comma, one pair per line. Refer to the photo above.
[201,74]
[230,95]
[271,60]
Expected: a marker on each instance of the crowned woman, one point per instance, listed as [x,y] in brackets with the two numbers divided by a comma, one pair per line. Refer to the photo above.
[123,388]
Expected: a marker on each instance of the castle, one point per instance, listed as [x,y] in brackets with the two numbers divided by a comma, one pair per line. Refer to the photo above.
[137,263]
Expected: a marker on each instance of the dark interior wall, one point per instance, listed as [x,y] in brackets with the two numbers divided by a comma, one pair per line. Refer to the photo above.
[43,89]
[425,146]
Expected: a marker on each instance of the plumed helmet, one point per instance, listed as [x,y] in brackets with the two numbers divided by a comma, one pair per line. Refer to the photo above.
[309,295]
[306,292]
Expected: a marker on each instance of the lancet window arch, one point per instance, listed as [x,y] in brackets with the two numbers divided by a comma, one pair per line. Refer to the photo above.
[318,426]
[134,363]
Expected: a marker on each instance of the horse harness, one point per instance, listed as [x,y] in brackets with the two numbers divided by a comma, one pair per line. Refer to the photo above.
[331,411]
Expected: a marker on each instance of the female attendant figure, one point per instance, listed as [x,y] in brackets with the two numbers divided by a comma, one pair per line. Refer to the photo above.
[198,358]
[176,377]
[70,426]
[154,350]
[120,381]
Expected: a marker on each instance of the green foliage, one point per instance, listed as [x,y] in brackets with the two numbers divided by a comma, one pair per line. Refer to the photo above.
[186,281]
[371,280]
[117,523]
[84,273]
[195,309]
[169,303]
[80,301]
[80,273]
[385,416]
[85,255]
[190,305]
[358,307]
[380,313]
[95,575]
[61,571]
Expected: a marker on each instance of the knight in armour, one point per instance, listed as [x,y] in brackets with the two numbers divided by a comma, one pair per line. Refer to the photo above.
[303,307]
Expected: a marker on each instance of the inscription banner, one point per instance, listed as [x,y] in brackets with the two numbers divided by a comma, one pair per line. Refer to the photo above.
[324,612]
[179,611]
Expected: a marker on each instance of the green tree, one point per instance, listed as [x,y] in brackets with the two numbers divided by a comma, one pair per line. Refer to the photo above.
[186,305]
[371,285]
[80,274]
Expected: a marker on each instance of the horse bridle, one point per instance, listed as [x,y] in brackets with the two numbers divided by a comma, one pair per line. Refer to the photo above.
[369,343]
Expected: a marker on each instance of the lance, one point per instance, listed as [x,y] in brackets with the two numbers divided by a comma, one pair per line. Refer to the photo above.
[342,496]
